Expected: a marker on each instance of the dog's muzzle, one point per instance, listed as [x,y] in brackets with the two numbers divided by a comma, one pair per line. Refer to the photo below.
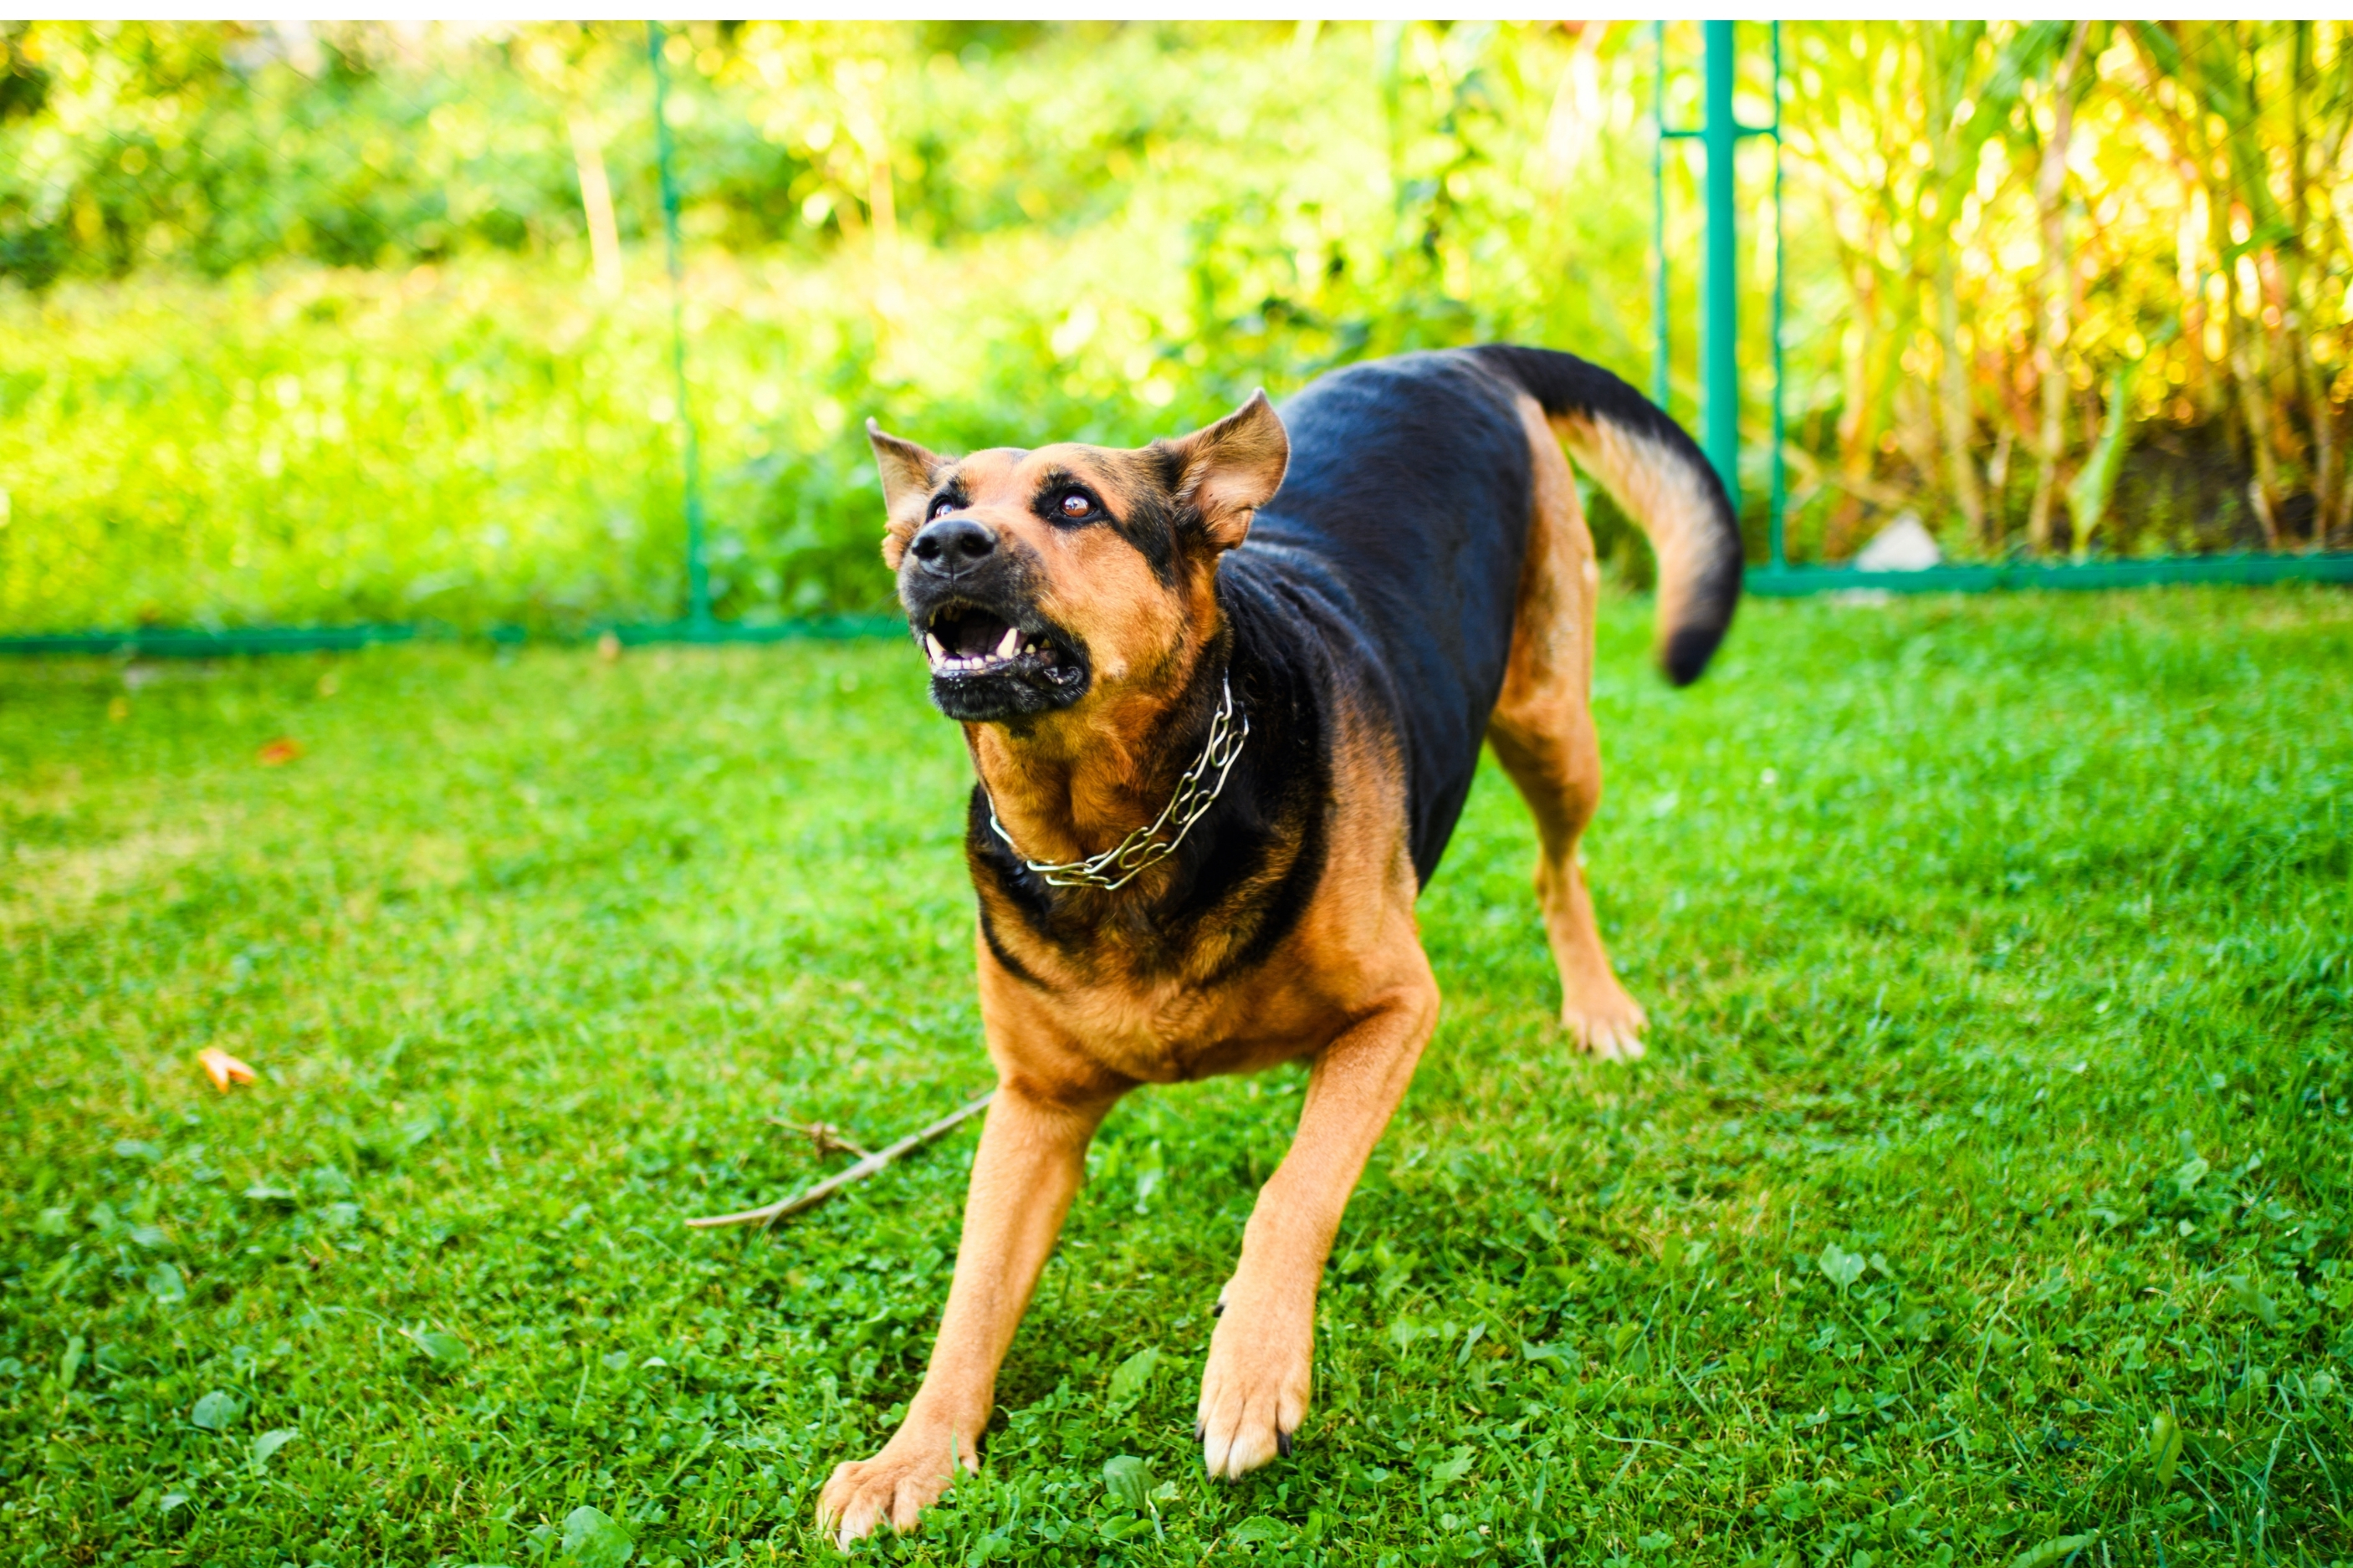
[971,608]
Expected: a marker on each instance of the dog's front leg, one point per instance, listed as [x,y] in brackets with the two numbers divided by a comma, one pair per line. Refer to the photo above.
[1254,1391]
[1031,1159]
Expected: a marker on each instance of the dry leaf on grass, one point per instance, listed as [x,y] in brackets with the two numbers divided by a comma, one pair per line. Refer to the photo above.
[277,754]
[223,1068]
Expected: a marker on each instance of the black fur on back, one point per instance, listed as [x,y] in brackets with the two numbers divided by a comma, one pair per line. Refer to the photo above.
[1410,484]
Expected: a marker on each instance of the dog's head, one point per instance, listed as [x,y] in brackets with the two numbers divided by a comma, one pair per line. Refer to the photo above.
[1035,579]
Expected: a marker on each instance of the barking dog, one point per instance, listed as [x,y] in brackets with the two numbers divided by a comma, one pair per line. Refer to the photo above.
[1225,697]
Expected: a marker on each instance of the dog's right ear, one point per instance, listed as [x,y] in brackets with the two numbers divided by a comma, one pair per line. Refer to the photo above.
[1227,470]
[908,472]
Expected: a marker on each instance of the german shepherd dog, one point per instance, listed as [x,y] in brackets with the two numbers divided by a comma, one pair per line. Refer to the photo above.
[1224,696]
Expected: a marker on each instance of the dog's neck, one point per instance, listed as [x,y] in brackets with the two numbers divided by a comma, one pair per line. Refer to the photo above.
[1072,785]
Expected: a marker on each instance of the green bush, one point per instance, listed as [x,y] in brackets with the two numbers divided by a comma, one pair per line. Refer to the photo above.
[491,436]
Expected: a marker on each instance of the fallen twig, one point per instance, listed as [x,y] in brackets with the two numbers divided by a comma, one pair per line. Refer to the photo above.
[829,1139]
[769,1213]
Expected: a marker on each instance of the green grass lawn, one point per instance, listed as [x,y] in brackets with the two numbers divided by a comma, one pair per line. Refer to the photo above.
[1989,1182]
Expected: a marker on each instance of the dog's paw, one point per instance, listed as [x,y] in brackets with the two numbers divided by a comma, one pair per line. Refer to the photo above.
[1254,1391]
[896,1485]
[1606,1021]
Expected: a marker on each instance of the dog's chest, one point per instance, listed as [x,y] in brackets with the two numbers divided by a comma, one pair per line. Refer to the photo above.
[1173,1032]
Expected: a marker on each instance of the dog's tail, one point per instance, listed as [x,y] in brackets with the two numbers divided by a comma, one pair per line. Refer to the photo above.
[1656,473]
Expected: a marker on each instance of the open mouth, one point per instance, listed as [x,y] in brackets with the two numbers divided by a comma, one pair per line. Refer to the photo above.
[964,640]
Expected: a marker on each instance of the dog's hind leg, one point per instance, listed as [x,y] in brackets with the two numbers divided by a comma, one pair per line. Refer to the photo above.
[1542,730]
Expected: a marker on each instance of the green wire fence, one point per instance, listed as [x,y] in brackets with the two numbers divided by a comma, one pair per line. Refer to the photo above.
[1720,393]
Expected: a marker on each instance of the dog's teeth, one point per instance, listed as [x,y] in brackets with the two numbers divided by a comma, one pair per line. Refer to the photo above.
[935,649]
[1010,644]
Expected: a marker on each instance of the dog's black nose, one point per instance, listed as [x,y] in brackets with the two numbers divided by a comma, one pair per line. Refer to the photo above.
[952,545]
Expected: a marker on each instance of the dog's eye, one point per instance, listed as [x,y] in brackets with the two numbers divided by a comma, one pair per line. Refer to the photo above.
[1075,504]
[942,506]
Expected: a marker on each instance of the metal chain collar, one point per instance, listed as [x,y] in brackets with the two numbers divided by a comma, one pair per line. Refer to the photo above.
[1120,864]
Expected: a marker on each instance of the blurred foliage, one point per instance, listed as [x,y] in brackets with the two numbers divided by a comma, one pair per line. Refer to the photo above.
[370,320]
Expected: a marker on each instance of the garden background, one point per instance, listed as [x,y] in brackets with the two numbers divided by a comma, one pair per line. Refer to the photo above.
[356,323]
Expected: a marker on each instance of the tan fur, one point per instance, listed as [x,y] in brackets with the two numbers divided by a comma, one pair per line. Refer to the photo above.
[1542,730]
[1349,988]
[1661,493]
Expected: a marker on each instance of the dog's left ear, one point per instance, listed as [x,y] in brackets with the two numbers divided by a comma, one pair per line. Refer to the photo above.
[1230,470]
[908,472]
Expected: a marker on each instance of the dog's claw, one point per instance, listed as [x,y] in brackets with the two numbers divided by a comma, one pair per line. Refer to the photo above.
[893,1487]
[1254,1390]
[1609,1028]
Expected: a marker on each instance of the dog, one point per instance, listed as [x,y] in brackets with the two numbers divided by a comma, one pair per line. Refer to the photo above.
[1224,696]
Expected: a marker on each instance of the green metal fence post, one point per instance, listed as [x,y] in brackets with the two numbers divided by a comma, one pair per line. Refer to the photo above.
[1719,330]
[1719,132]
[698,579]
